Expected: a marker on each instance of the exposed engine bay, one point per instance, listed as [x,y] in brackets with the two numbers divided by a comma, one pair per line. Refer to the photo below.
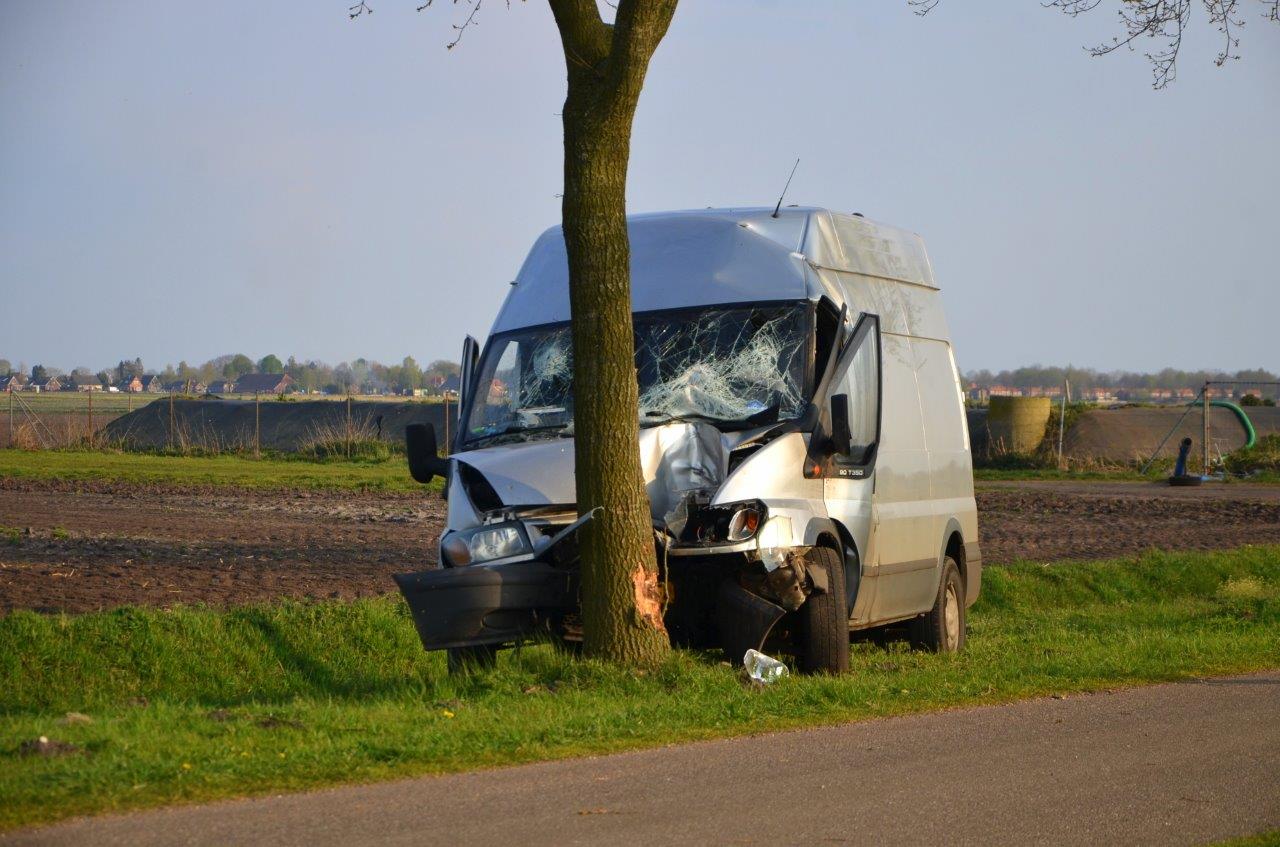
[728,571]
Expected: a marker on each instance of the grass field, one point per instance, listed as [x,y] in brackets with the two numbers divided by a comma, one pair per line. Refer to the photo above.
[112,404]
[196,704]
[274,473]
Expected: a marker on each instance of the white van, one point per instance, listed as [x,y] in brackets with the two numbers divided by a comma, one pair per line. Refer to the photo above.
[803,442]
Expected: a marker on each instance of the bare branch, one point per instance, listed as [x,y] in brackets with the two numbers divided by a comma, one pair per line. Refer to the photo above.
[1222,14]
[1164,21]
[363,8]
[466,24]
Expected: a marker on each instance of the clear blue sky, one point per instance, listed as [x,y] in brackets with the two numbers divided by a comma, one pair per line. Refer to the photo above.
[182,180]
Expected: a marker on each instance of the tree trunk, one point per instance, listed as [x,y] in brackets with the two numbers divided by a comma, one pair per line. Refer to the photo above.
[621,598]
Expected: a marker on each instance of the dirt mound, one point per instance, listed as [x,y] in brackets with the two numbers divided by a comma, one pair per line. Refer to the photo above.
[286,425]
[1132,433]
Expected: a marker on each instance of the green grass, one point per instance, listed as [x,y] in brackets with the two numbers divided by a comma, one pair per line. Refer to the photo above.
[76,402]
[195,704]
[391,474]
[1262,839]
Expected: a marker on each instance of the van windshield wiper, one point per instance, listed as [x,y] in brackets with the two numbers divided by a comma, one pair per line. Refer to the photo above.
[517,429]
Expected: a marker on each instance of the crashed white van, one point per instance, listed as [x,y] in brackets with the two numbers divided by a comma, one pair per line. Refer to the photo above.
[803,441]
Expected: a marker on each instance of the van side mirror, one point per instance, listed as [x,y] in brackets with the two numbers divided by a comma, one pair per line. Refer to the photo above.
[420,444]
[841,435]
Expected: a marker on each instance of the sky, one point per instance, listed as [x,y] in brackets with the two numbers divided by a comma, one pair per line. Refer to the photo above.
[184,180]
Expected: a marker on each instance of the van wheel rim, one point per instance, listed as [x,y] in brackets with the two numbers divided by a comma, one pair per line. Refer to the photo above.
[952,619]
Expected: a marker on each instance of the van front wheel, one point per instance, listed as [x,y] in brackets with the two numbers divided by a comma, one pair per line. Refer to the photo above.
[942,628]
[824,619]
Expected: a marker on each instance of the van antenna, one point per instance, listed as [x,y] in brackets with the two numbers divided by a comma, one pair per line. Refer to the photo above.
[778,207]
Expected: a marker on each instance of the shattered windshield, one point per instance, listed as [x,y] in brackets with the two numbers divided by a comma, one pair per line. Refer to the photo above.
[728,365]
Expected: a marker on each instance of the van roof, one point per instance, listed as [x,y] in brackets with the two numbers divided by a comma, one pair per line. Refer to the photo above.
[707,257]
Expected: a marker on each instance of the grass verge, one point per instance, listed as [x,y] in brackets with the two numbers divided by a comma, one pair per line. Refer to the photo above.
[195,704]
[391,474]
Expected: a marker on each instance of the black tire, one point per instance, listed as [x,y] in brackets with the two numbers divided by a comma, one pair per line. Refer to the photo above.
[466,659]
[942,628]
[824,619]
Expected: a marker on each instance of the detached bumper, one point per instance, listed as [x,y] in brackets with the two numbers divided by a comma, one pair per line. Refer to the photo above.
[475,605]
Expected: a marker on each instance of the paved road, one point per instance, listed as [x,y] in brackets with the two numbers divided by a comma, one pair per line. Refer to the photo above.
[1174,764]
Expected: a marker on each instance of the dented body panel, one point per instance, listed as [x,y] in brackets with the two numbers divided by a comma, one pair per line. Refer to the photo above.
[797,389]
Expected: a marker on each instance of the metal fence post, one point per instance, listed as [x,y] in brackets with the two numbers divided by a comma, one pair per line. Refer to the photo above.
[257,426]
[1204,464]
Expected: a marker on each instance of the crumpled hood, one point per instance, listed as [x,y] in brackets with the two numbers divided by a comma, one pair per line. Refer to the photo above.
[675,458]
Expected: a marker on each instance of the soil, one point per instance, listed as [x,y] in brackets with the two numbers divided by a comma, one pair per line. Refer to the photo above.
[88,546]
[1059,521]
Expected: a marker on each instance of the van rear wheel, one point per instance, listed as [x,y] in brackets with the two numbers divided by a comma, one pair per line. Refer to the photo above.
[942,628]
[824,619]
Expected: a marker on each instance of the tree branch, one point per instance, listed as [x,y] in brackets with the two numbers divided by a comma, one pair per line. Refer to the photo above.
[584,35]
[1162,20]
[638,28]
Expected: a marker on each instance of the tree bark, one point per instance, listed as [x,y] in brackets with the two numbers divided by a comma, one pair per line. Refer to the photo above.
[621,597]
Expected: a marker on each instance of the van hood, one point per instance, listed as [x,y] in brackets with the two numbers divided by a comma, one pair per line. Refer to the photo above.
[675,458]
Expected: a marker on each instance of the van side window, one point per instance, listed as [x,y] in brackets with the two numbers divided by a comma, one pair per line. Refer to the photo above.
[827,319]
[863,387]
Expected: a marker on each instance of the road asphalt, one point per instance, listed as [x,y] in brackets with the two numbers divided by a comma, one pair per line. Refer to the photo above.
[1184,763]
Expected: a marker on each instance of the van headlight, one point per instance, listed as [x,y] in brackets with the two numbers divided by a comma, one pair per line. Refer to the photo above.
[744,523]
[486,544]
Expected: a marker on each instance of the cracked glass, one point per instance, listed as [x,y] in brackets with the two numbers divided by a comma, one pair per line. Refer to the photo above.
[730,365]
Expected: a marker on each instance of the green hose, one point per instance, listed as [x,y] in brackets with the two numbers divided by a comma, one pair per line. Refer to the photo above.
[1250,434]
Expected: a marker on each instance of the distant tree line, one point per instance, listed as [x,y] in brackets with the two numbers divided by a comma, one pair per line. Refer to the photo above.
[361,376]
[1040,376]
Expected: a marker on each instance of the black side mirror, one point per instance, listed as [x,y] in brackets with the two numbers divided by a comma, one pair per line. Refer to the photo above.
[420,444]
[841,436]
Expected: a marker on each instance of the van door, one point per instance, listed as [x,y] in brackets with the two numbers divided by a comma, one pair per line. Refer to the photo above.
[848,479]
[904,543]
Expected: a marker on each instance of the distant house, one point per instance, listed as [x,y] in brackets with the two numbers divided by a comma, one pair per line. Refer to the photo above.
[48,383]
[221,386]
[151,383]
[188,386]
[131,383]
[13,382]
[82,382]
[263,384]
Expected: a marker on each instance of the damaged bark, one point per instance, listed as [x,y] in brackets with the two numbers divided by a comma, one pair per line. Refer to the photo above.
[606,65]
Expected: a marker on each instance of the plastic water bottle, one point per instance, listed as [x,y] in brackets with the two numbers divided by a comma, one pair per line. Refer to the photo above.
[763,668]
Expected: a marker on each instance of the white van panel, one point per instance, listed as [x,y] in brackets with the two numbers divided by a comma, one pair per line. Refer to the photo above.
[901,426]
[923,310]
[870,248]
[904,544]
[870,295]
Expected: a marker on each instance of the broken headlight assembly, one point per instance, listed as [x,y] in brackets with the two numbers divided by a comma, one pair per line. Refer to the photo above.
[487,543]
[727,524]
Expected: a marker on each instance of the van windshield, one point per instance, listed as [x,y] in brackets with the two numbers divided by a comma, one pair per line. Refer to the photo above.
[729,365]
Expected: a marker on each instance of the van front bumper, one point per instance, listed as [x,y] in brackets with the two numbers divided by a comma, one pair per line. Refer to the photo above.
[479,604]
